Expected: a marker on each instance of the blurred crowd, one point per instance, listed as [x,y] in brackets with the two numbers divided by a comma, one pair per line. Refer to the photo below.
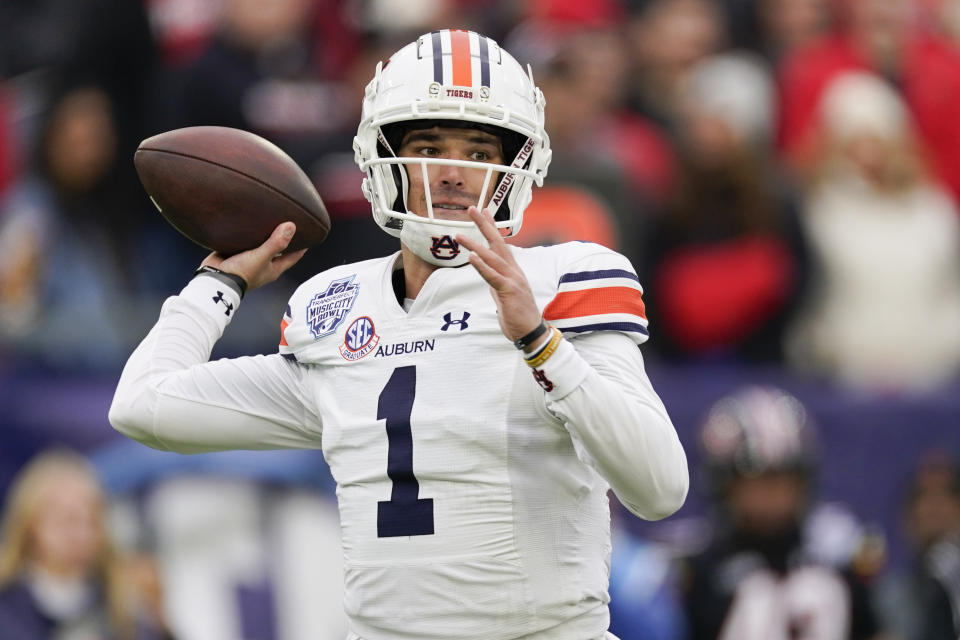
[784,175]
[200,551]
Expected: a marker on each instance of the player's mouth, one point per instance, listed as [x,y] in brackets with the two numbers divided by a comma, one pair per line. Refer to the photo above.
[450,210]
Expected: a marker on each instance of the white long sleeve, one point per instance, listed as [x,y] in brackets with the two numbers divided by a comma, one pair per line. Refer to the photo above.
[618,422]
[473,504]
[170,397]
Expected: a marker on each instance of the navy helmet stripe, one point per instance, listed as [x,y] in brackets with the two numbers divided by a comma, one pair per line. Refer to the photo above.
[484,62]
[437,58]
[580,276]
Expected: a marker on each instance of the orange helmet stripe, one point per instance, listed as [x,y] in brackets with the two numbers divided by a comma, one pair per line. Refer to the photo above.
[461,59]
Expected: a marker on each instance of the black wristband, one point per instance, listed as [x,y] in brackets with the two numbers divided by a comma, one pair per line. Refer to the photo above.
[237,280]
[530,338]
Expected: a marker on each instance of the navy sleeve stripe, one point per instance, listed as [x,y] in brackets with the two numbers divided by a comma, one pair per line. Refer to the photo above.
[580,276]
[607,326]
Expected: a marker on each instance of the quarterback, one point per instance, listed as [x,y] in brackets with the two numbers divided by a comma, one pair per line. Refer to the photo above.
[475,401]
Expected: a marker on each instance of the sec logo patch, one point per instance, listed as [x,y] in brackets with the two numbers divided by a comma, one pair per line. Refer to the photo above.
[360,339]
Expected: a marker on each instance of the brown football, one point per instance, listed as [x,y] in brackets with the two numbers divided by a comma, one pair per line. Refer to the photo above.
[227,189]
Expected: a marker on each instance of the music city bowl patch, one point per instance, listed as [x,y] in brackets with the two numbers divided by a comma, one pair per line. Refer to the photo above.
[328,309]
[360,339]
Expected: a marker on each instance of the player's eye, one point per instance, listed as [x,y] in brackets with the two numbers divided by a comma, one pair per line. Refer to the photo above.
[428,151]
[480,156]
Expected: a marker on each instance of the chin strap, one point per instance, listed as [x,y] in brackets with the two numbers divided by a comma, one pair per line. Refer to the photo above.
[435,244]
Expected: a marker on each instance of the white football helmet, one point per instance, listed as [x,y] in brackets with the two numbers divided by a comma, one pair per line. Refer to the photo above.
[450,78]
[756,430]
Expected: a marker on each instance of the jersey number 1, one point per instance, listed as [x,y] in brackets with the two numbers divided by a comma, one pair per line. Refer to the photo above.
[405,514]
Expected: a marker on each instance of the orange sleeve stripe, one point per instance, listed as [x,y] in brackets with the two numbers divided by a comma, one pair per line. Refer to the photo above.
[283,327]
[460,50]
[594,302]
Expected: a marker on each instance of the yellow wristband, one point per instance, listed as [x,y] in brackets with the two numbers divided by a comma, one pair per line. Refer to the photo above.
[543,347]
[544,354]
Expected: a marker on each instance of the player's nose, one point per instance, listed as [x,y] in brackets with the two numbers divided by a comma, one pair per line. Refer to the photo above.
[448,175]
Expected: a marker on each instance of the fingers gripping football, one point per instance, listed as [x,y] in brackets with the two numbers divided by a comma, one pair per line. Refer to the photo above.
[265,263]
[518,312]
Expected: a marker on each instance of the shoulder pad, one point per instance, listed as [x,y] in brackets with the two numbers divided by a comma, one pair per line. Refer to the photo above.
[319,306]
[597,290]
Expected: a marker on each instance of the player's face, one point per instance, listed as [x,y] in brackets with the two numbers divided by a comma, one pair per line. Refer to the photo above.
[934,507]
[767,504]
[452,189]
[66,534]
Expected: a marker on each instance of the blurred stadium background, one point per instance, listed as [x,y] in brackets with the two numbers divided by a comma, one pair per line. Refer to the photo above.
[784,175]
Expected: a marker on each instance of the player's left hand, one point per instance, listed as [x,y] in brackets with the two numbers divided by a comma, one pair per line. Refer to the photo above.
[516,307]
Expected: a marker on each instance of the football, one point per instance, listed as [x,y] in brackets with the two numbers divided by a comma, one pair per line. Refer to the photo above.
[227,189]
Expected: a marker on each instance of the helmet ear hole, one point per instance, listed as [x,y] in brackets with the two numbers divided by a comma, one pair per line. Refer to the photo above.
[393,134]
[399,203]
[503,213]
[512,142]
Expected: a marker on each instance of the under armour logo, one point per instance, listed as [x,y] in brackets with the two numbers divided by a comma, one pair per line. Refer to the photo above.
[542,379]
[449,321]
[444,248]
[219,298]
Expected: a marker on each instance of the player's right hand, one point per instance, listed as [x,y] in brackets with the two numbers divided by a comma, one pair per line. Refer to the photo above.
[517,309]
[263,264]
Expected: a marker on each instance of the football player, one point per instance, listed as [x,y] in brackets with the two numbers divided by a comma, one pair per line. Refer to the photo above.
[779,565]
[475,401]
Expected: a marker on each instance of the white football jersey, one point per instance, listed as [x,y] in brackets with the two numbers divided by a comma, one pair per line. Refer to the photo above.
[472,490]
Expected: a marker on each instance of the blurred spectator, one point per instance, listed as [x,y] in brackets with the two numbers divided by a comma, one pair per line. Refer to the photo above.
[259,72]
[274,69]
[777,567]
[668,37]
[945,16]
[59,576]
[622,159]
[48,48]
[884,309]
[776,28]
[586,14]
[71,250]
[725,259]
[402,21]
[882,36]
[7,143]
[260,560]
[930,605]
[182,28]
[566,213]
[103,43]
[76,152]
[644,595]
[788,25]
